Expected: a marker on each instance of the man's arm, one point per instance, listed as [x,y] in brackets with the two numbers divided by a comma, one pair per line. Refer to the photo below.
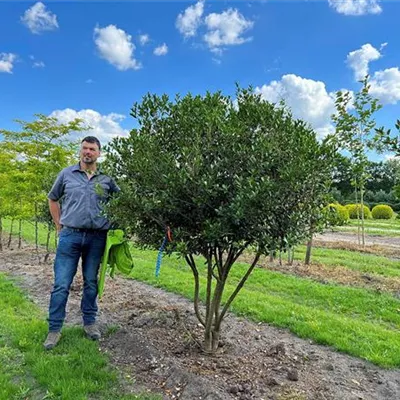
[54,195]
[55,212]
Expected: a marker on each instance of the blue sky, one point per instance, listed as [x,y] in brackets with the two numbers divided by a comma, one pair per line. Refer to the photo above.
[94,60]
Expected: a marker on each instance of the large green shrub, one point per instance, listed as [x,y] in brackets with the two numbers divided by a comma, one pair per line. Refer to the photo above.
[382,211]
[355,211]
[224,175]
[337,214]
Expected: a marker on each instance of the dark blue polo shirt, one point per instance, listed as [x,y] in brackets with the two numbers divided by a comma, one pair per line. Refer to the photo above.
[82,198]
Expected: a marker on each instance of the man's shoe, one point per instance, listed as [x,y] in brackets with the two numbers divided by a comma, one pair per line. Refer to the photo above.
[52,340]
[92,332]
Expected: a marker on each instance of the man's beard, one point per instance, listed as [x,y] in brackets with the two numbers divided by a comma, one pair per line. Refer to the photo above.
[88,160]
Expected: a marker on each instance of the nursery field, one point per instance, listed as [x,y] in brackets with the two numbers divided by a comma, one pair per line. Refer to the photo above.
[329,330]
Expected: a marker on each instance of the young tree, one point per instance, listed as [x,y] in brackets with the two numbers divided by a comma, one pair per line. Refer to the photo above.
[225,176]
[7,165]
[354,124]
[43,149]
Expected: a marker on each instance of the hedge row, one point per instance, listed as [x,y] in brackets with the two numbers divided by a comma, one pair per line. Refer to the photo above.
[339,215]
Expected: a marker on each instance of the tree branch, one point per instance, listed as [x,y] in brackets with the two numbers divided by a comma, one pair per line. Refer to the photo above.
[239,286]
[189,259]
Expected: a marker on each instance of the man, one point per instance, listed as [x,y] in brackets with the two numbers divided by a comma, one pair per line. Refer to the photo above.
[82,231]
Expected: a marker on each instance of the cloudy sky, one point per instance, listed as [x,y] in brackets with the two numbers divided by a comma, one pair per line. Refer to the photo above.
[94,60]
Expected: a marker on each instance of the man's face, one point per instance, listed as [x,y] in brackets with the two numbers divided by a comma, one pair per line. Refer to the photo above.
[89,152]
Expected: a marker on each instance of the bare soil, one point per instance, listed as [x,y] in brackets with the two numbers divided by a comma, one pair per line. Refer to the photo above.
[392,243]
[156,343]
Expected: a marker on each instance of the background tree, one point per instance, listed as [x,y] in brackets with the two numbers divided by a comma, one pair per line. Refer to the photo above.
[225,176]
[342,176]
[354,124]
[43,148]
[8,161]
[385,140]
[379,187]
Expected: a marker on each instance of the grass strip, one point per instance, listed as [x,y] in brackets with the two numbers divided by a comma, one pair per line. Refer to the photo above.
[354,260]
[74,370]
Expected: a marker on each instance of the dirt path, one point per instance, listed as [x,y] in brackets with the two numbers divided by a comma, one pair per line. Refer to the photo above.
[391,242]
[156,344]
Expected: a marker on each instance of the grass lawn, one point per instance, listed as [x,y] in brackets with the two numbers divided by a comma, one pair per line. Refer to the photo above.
[74,370]
[380,227]
[354,260]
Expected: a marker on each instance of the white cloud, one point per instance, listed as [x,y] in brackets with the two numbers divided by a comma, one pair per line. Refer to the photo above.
[144,39]
[161,50]
[189,21]
[308,100]
[226,29]
[358,60]
[385,85]
[89,81]
[115,46]
[7,62]
[38,64]
[38,19]
[356,7]
[104,127]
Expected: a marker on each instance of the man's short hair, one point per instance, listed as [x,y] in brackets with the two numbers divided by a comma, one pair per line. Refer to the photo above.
[92,139]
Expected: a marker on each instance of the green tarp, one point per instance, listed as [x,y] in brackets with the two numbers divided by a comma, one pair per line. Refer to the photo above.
[117,255]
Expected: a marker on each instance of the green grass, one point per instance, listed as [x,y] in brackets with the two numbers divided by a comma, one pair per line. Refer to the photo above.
[386,223]
[370,231]
[379,227]
[357,321]
[354,260]
[28,230]
[74,370]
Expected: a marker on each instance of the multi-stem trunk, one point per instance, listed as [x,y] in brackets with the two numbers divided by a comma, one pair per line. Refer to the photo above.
[218,268]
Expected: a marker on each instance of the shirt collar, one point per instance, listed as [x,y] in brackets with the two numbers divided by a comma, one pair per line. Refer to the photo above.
[77,167]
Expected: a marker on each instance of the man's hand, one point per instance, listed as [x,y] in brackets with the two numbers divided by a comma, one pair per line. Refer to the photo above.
[55,212]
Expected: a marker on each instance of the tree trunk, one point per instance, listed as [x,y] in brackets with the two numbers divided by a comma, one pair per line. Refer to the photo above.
[36,228]
[290,255]
[46,257]
[362,215]
[1,234]
[215,315]
[37,233]
[10,234]
[308,251]
[212,327]
[19,233]
[358,217]
[271,256]
[189,259]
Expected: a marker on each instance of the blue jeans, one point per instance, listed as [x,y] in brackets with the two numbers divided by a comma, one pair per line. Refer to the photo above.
[72,245]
